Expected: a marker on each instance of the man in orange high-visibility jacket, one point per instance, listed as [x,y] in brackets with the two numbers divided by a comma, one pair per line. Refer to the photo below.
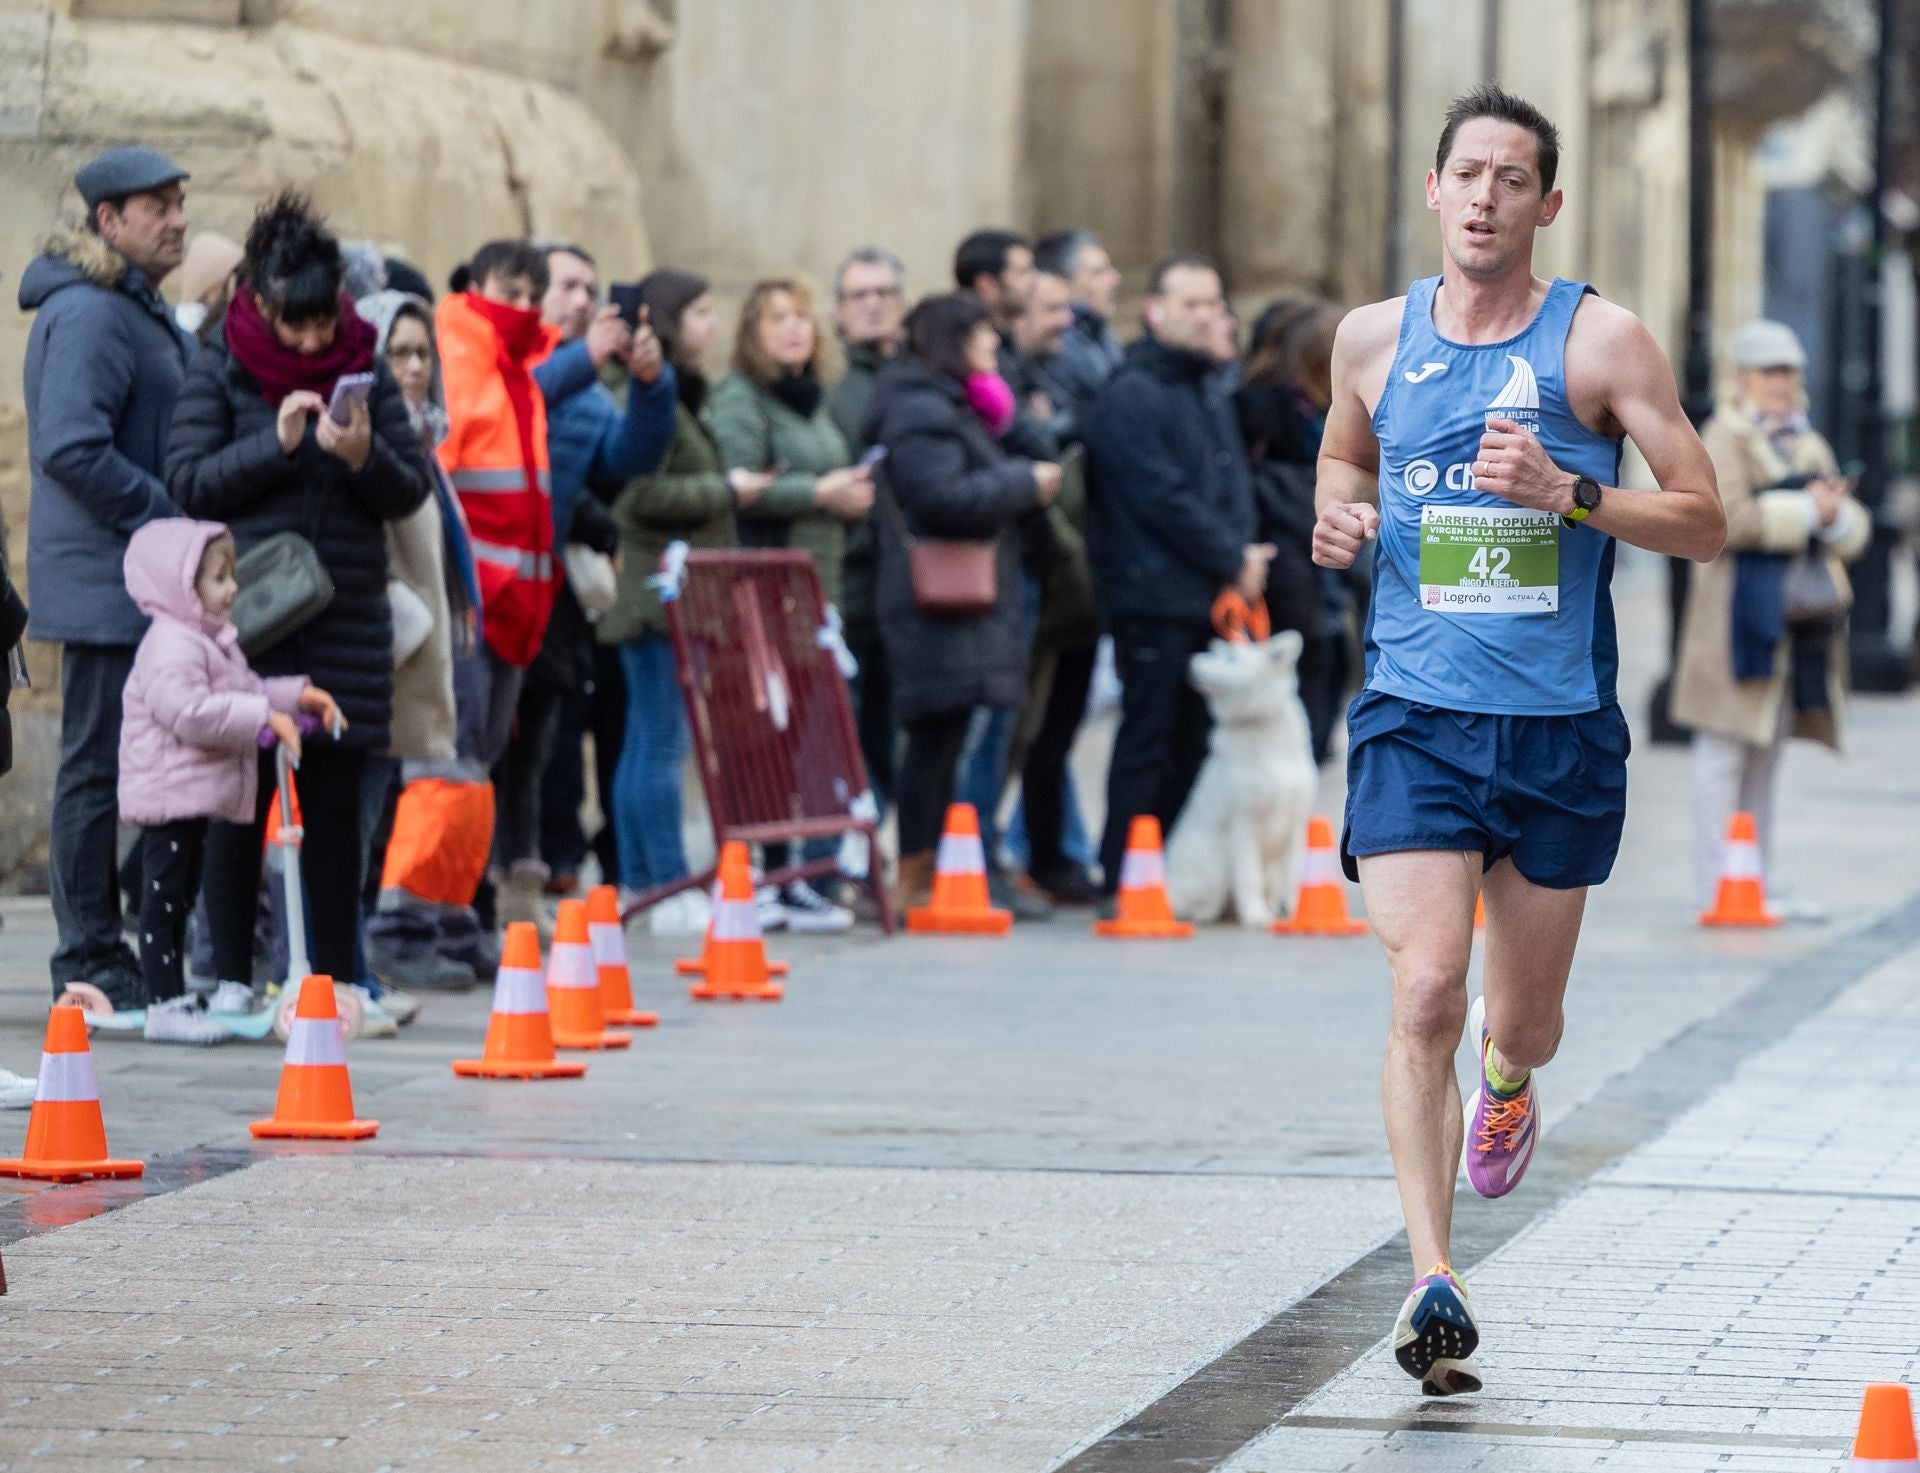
[495,452]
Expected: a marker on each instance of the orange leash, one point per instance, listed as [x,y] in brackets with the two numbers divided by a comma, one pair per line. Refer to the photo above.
[1237,621]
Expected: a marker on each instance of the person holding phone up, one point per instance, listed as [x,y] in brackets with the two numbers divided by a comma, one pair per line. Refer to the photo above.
[1763,649]
[261,442]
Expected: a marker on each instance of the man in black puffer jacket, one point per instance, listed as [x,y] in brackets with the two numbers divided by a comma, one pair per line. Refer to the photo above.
[1172,527]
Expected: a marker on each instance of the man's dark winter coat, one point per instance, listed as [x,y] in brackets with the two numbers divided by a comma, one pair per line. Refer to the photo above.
[104,365]
[1171,495]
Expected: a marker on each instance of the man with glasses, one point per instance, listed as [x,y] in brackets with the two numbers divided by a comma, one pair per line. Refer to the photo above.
[869,307]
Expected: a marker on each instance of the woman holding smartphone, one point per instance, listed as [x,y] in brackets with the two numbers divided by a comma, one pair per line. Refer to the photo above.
[254,445]
[1763,650]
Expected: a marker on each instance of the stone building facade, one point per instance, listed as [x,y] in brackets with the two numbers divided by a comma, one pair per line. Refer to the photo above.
[735,136]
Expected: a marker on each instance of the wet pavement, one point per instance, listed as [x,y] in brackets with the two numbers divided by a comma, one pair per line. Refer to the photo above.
[1024,1204]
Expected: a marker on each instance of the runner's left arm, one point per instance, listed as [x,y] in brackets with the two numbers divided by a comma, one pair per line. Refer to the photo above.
[1683,517]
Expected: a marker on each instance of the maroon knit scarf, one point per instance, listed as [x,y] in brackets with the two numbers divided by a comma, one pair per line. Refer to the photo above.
[279,369]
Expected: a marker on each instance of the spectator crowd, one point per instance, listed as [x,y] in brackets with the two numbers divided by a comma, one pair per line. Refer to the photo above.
[413,537]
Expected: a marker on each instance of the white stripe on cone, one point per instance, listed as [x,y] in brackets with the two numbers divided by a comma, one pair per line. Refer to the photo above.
[1743,860]
[961,854]
[1320,868]
[736,920]
[571,965]
[519,990]
[316,1041]
[1142,869]
[609,943]
[66,1077]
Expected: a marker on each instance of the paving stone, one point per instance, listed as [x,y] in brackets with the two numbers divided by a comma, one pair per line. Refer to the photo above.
[1021,1307]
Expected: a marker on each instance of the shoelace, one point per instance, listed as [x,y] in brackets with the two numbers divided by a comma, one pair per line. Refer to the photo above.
[1507,1118]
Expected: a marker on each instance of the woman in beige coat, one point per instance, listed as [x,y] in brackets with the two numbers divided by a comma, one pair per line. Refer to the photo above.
[1783,496]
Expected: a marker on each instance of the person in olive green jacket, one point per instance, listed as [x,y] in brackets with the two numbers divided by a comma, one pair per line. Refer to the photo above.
[688,499]
[770,414]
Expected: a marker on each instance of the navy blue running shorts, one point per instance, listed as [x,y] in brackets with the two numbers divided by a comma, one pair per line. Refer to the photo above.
[1548,792]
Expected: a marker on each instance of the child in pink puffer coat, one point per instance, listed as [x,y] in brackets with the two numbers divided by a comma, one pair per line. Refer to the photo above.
[193,720]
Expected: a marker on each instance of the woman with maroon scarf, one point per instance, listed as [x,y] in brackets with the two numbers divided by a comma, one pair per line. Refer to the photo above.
[253,446]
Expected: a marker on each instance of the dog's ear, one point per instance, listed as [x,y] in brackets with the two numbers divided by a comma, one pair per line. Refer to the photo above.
[1284,648]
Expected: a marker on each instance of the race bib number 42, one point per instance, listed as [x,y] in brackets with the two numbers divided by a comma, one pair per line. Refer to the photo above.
[1489,560]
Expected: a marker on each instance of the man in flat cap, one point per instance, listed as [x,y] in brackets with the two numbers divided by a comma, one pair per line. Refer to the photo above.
[104,363]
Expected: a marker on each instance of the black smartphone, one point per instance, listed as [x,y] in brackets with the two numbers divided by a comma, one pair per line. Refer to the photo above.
[626,296]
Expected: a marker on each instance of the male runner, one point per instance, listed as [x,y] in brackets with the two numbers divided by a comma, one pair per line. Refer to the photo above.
[1475,434]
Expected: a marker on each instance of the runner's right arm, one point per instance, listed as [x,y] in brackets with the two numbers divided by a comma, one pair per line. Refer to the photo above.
[1347,479]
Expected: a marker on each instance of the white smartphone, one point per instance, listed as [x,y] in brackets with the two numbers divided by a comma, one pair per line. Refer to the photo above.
[351,389]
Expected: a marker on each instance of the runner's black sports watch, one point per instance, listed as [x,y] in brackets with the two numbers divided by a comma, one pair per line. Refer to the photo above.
[1586,496]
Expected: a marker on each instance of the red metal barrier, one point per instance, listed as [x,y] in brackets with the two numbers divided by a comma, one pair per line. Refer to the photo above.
[773,728]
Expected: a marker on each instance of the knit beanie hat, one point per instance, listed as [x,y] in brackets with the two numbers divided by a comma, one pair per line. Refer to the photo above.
[211,258]
[667,293]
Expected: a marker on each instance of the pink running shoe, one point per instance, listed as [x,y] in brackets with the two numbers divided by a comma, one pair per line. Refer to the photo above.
[1502,1131]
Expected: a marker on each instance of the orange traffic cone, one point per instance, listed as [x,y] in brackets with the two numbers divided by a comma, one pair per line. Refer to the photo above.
[696,966]
[1479,912]
[736,960]
[573,988]
[519,1034]
[608,938]
[1321,909]
[316,1097]
[1885,1439]
[66,1138]
[1742,897]
[960,901]
[1144,909]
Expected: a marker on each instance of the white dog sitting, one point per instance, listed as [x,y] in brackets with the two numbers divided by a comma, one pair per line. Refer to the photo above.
[1238,838]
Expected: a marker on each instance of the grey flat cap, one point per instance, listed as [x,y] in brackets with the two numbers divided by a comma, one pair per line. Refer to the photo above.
[122,171]
[1764,343]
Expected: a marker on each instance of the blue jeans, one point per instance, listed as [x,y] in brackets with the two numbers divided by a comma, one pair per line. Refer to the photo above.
[983,767]
[646,785]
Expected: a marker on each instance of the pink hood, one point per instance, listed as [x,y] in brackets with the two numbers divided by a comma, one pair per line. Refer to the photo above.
[192,712]
[161,567]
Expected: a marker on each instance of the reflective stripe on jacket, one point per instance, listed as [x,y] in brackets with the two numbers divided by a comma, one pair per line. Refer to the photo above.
[495,454]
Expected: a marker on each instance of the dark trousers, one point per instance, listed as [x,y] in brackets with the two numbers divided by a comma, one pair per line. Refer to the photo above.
[1164,724]
[1043,776]
[872,692]
[331,854]
[927,777]
[82,851]
[517,775]
[601,711]
[169,885]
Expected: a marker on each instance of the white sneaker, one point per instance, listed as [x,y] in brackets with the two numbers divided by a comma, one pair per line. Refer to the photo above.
[16,1092]
[1790,907]
[232,997]
[375,1020]
[179,1020]
[404,1006]
[810,913]
[770,909]
[687,914]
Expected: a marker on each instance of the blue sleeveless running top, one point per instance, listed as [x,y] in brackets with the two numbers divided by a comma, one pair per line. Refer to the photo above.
[1465,611]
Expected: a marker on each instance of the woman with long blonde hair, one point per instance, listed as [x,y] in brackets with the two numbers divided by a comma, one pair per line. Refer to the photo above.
[770,416]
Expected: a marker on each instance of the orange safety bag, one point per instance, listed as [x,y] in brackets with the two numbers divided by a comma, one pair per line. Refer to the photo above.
[442,835]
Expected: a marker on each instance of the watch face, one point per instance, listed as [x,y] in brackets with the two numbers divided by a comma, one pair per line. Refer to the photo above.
[1586,493]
